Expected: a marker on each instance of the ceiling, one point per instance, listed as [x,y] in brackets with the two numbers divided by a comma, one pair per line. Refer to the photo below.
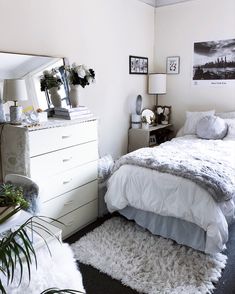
[158,3]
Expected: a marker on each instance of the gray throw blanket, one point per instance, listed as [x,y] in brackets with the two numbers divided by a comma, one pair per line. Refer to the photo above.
[209,163]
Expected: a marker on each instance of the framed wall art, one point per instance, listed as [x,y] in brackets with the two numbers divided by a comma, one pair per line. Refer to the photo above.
[214,63]
[138,65]
[173,65]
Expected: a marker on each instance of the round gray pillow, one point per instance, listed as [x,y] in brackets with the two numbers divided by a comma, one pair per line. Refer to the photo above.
[211,127]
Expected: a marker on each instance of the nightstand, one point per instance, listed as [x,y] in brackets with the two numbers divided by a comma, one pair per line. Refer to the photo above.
[153,136]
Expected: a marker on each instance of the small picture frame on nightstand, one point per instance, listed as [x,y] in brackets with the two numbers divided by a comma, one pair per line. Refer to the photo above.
[152,140]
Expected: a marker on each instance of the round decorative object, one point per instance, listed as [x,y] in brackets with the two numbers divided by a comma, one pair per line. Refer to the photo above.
[55,97]
[74,95]
[149,115]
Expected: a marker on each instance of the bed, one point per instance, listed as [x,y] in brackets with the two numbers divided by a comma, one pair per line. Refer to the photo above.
[193,206]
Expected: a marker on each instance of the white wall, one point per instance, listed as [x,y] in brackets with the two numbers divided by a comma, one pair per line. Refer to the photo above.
[177,27]
[101,34]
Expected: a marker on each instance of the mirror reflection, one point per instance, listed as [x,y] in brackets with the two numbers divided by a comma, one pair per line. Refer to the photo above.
[30,68]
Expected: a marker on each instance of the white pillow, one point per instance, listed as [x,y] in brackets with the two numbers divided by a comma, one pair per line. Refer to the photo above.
[228,114]
[212,128]
[192,118]
[231,128]
[180,132]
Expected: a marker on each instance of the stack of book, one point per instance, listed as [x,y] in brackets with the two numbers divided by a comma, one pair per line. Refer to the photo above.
[73,113]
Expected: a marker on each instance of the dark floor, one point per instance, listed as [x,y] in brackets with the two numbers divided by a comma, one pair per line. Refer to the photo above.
[96,282]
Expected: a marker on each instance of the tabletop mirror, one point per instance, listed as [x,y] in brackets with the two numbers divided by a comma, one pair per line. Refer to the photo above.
[30,68]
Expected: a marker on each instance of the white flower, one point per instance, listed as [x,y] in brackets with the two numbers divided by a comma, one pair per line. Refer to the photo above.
[81,72]
[85,68]
[90,80]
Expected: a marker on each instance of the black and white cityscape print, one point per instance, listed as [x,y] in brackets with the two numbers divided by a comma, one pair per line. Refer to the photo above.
[214,60]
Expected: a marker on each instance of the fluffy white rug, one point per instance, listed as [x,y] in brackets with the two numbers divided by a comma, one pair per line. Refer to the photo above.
[58,270]
[148,263]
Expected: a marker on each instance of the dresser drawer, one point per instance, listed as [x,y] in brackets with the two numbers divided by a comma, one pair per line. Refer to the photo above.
[70,201]
[77,219]
[61,183]
[48,140]
[58,161]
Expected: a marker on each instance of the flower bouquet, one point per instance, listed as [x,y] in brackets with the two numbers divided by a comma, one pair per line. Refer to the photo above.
[80,75]
[50,79]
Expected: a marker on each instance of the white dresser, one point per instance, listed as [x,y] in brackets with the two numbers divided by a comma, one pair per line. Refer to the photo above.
[63,162]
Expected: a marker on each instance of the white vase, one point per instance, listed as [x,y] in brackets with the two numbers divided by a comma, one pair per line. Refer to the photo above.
[145,126]
[74,95]
[55,97]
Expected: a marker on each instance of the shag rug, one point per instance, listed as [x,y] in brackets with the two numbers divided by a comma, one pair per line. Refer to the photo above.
[148,263]
[58,270]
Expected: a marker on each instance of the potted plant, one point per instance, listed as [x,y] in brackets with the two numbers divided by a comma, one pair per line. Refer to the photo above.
[50,81]
[78,75]
[145,124]
[16,246]
[11,201]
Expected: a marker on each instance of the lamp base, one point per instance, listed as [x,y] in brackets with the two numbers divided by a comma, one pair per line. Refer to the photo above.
[15,115]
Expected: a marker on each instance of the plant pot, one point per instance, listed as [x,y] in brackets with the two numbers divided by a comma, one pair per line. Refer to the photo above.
[55,97]
[74,94]
[6,211]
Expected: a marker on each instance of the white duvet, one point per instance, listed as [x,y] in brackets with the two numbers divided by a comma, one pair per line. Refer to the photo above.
[170,195]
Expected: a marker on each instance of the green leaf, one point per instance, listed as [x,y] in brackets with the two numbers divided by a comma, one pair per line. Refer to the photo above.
[17,248]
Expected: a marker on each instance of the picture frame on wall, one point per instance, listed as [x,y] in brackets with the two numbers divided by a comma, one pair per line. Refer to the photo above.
[138,65]
[173,65]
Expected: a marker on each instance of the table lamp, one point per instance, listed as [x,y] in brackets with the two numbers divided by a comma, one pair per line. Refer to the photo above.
[157,85]
[15,90]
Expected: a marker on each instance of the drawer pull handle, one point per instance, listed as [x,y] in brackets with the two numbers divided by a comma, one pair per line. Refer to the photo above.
[67,181]
[68,203]
[66,137]
[67,159]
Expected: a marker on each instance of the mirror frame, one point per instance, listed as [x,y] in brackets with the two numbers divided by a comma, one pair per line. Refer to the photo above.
[63,75]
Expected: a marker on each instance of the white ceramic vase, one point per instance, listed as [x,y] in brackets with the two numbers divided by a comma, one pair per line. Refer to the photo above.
[74,95]
[145,126]
[55,97]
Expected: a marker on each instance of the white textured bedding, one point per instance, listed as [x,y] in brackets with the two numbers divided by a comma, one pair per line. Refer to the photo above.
[170,195]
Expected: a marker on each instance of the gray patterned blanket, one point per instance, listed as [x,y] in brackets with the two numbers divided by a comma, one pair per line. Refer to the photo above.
[209,163]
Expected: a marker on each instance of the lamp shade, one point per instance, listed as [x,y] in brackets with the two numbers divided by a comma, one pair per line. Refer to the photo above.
[14,90]
[157,83]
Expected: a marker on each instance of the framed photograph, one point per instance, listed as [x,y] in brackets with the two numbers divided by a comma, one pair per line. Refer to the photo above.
[138,65]
[163,114]
[173,65]
[213,63]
